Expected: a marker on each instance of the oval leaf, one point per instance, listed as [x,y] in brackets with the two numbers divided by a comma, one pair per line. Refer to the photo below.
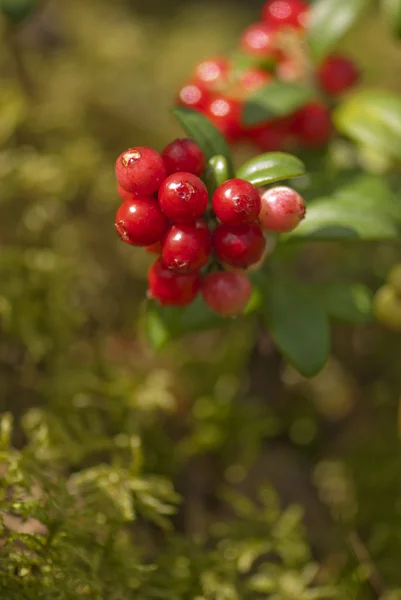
[205,134]
[372,119]
[271,167]
[392,13]
[298,324]
[329,21]
[346,302]
[275,100]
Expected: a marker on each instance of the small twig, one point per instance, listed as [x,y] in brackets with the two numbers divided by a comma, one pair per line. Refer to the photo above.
[362,555]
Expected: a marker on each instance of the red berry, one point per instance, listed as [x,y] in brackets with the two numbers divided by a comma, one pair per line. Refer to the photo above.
[226,293]
[270,136]
[183,197]
[239,246]
[193,95]
[279,13]
[312,124]
[184,155]
[172,289]
[259,40]
[140,222]
[337,74]
[225,114]
[140,170]
[236,201]
[253,79]
[282,209]
[212,72]
[124,195]
[187,247]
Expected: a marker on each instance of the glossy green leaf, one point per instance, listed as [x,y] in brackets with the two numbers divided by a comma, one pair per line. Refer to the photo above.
[17,10]
[347,302]
[329,21]
[299,325]
[200,129]
[271,167]
[392,13]
[372,119]
[275,100]
[366,209]
[216,173]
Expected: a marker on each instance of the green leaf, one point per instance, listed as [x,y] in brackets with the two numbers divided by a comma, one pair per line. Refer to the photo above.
[373,119]
[299,325]
[271,167]
[17,10]
[200,129]
[275,100]
[216,173]
[392,13]
[347,302]
[366,209]
[329,21]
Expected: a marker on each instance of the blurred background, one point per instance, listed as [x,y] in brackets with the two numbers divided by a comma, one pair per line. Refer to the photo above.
[79,83]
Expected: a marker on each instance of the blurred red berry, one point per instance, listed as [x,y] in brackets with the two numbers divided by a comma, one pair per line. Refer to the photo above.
[290,69]
[259,40]
[282,209]
[187,247]
[225,114]
[312,124]
[253,79]
[140,170]
[270,136]
[212,72]
[193,95]
[184,155]
[172,289]
[337,74]
[239,246]
[140,222]
[226,293]
[279,13]
[183,197]
[236,201]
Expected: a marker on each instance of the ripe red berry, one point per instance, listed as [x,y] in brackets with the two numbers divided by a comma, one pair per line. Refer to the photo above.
[239,246]
[187,247]
[185,156]
[140,222]
[140,170]
[212,72]
[312,124]
[172,289]
[282,209]
[226,293]
[259,40]
[236,201]
[124,195]
[270,136]
[253,79]
[337,74]
[193,95]
[225,114]
[183,197]
[279,13]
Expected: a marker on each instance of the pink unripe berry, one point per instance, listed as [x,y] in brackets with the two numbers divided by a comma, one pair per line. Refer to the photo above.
[140,222]
[282,209]
[172,289]
[226,293]
[185,156]
[187,247]
[183,197]
[140,170]
[236,201]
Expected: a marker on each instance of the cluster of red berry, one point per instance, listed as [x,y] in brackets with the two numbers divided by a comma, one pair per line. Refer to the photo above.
[203,246]
[277,51]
